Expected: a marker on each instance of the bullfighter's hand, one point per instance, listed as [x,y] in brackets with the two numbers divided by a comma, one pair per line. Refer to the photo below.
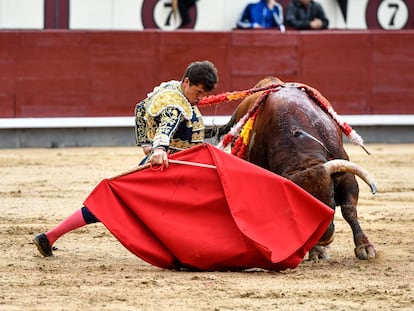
[146,149]
[159,156]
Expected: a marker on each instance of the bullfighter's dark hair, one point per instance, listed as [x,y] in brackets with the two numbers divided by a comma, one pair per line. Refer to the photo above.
[202,72]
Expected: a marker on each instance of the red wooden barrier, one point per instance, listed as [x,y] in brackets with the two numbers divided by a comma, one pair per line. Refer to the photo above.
[87,73]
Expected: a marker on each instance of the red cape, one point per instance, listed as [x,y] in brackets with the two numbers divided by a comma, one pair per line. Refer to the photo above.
[237,216]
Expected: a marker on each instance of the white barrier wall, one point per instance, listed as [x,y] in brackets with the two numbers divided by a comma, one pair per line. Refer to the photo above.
[21,14]
[210,15]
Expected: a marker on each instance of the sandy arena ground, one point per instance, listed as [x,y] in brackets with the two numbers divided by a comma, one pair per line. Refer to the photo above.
[92,271]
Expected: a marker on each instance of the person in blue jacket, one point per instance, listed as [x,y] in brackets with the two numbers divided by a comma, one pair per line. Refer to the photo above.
[263,14]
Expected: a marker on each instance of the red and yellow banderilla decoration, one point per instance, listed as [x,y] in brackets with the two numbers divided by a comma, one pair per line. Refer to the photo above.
[240,132]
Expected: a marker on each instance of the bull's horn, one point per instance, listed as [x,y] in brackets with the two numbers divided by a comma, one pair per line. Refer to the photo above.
[339,165]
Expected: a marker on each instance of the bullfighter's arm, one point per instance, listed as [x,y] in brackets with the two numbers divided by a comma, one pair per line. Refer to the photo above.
[169,120]
[141,137]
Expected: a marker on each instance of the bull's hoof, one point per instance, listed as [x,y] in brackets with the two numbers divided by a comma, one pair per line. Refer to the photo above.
[318,253]
[365,251]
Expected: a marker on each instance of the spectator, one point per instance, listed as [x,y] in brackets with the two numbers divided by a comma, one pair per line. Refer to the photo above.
[184,7]
[305,15]
[263,14]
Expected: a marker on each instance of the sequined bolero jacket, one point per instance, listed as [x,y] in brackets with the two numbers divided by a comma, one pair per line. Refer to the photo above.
[166,118]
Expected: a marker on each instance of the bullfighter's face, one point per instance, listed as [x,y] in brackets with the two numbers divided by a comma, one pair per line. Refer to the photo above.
[193,92]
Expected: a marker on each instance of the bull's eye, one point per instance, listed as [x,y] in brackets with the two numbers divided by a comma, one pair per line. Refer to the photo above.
[297,133]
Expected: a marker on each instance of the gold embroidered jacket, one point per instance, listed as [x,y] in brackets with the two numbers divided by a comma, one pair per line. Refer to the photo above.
[166,118]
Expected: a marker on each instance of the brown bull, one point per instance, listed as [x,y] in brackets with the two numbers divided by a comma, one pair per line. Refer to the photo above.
[294,135]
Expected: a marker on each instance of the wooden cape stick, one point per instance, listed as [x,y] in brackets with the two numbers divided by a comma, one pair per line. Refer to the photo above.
[147,165]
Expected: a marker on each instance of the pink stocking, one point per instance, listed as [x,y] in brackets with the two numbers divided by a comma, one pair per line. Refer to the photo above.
[73,222]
